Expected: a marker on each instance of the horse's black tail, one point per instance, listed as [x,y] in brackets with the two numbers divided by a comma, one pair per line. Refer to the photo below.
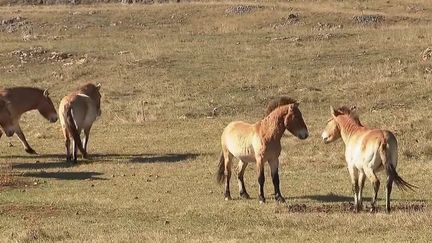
[73,130]
[220,176]
[391,170]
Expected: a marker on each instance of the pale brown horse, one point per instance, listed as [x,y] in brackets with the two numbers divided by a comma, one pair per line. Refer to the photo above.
[6,122]
[259,143]
[23,99]
[367,151]
[78,111]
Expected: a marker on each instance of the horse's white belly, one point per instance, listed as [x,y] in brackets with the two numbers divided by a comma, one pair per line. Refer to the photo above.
[240,151]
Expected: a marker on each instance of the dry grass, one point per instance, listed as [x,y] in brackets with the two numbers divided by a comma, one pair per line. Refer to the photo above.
[164,68]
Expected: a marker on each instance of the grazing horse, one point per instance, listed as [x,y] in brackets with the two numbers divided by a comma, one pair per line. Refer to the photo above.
[259,143]
[367,151]
[78,111]
[23,99]
[5,118]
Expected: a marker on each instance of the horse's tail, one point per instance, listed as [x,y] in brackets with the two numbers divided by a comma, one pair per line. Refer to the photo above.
[220,176]
[388,163]
[73,130]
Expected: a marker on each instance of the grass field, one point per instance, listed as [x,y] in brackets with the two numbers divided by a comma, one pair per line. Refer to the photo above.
[154,150]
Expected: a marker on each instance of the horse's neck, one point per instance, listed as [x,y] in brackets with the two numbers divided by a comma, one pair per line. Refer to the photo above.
[272,128]
[348,127]
[25,100]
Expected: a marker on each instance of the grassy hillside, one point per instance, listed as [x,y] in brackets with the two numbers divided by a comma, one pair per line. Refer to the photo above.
[164,68]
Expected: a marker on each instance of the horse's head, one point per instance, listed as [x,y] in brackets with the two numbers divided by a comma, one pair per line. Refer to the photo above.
[46,107]
[332,130]
[6,118]
[294,122]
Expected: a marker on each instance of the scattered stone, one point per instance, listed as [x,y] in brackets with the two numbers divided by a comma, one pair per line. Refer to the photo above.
[136,197]
[291,19]
[13,24]
[241,9]
[368,19]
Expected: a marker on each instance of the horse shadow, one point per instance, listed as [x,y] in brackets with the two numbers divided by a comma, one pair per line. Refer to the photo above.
[127,158]
[335,198]
[82,175]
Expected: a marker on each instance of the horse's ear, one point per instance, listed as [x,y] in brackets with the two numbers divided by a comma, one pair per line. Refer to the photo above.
[353,108]
[333,111]
[98,86]
[46,93]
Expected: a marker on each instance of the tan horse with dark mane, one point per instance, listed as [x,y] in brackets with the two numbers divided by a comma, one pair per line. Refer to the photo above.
[259,143]
[78,111]
[6,122]
[23,99]
[367,151]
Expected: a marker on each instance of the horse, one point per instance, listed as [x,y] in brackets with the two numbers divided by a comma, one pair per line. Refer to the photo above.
[78,111]
[23,99]
[6,119]
[367,151]
[259,143]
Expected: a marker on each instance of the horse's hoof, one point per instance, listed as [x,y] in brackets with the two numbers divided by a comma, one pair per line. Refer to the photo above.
[261,200]
[30,151]
[228,198]
[245,195]
[280,199]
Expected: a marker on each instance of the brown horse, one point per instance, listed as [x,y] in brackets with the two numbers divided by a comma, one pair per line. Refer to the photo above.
[259,143]
[78,111]
[5,118]
[24,99]
[367,151]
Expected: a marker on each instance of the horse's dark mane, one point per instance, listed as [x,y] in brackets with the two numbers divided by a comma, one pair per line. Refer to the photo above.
[277,102]
[86,87]
[345,110]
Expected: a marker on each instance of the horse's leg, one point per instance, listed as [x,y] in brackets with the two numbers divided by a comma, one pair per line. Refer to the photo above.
[274,166]
[75,146]
[86,137]
[361,182]
[375,183]
[240,178]
[355,186]
[228,162]
[390,179]
[1,133]
[23,140]
[261,178]
[74,151]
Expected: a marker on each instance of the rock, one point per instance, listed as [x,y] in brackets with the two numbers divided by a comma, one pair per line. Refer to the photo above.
[368,19]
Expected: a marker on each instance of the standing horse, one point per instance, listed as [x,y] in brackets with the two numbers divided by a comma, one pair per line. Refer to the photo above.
[23,99]
[367,151]
[5,118]
[78,111]
[259,143]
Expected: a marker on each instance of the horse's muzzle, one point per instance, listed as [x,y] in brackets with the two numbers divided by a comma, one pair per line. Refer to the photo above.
[303,135]
[53,118]
[9,132]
